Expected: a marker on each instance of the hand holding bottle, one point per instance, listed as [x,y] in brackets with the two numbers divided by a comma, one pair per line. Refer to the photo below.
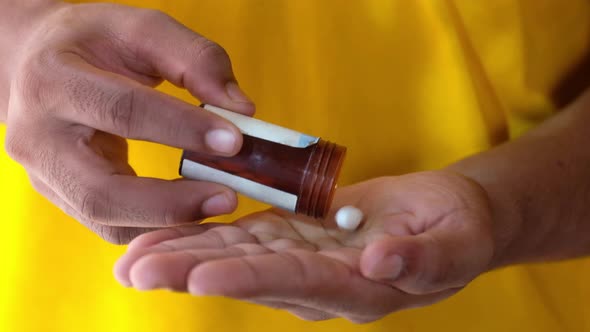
[81,81]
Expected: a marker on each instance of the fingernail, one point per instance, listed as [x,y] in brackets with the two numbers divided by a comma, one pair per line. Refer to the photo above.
[396,264]
[218,204]
[236,94]
[221,140]
[391,268]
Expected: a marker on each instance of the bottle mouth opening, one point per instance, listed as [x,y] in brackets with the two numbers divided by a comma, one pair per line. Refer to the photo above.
[321,176]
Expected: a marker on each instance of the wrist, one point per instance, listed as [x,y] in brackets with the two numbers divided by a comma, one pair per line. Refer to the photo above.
[505,212]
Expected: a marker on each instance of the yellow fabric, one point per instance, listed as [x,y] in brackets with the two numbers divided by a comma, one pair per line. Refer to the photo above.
[406,85]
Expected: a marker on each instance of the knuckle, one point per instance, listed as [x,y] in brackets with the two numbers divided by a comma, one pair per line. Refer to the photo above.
[111,106]
[93,206]
[173,217]
[207,50]
[35,81]
[174,214]
[27,91]
[120,111]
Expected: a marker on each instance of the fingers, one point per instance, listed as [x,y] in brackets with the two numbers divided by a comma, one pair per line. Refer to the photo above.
[207,237]
[150,239]
[219,244]
[139,247]
[249,272]
[222,261]
[120,200]
[265,274]
[170,270]
[120,106]
[92,187]
[311,285]
[188,60]
[115,235]
[305,279]
[429,262]
[70,84]
[162,268]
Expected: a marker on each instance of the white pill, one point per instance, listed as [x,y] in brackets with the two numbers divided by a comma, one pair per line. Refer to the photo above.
[349,217]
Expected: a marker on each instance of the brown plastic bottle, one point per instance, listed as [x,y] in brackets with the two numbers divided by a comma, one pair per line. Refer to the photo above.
[300,178]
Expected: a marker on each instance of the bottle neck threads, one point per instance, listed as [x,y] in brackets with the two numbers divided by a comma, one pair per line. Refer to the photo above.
[319,179]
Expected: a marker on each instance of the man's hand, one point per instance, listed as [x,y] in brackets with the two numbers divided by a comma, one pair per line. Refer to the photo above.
[424,237]
[84,81]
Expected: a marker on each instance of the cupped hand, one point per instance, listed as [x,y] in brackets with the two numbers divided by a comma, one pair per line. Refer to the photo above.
[424,237]
[84,81]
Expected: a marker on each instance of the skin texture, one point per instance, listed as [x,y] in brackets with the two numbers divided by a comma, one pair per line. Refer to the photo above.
[539,188]
[72,81]
[82,80]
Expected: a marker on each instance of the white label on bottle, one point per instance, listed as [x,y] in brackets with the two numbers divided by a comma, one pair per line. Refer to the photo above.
[260,192]
[264,130]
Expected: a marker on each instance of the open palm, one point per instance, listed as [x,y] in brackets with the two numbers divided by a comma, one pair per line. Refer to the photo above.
[424,236]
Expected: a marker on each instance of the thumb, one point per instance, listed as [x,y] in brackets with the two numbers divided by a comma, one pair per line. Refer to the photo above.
[428,262]
[188,60]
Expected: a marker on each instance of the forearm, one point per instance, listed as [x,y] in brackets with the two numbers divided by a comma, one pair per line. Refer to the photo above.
[16,17]
[539,189]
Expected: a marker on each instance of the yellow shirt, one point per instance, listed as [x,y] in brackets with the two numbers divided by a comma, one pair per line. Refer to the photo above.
[406,85]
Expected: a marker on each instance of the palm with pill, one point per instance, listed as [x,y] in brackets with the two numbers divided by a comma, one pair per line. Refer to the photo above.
[424,237]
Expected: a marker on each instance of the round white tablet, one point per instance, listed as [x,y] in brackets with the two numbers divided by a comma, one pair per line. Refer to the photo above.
[349,217]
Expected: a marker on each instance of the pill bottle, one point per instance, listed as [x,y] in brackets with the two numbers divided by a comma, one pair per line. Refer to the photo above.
[276,165]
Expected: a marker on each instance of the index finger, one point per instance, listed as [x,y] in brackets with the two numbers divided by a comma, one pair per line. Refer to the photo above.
[185,58]
[118,105]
